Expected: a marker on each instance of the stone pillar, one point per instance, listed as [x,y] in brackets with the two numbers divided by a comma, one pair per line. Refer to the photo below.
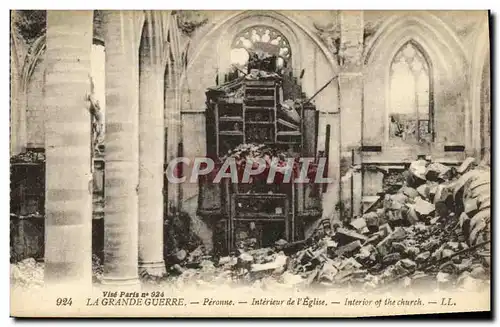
[151,154]
[173,119]
[68,197]
[122,149]
[351,106]
[18,136]
[173,126]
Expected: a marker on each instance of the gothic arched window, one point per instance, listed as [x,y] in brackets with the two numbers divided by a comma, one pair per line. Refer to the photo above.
[261,43]
[411,109]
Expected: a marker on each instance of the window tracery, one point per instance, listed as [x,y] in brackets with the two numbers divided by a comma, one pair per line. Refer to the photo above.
[260,43]
[410,96]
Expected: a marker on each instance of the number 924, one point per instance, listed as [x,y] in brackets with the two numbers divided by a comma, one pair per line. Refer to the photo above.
[64,301]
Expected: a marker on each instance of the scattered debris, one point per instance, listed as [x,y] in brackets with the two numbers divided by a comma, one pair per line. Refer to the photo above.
[434,232]
[27,274]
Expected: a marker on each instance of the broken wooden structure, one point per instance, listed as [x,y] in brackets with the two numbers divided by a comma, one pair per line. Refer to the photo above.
[264,110]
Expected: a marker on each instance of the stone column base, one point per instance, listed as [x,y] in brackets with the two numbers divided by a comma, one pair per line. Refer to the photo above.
[152,268]
[120,281]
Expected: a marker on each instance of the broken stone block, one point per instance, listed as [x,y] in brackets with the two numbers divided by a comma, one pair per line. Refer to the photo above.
[466,165]
[399,199]
[411,216]
[350,263]
[455,246]
[424,191]
[358,224]
[226,260]
[385,229]
[366,252]
[399,271]
[463,220]
[398,234]
[388,273]
[408,264]
[434,220]
[470,207]
[374,239]
[438,253]
[178,269]
[395,216]
[198,254]
[436,171]
[458,185]
[344,236]
[412,252]
[348,248]
[418,169]
[399,247]
[278,262]
[311,258]
[485,204]
[365,231]
[442,194]
[409,192]
[391,258]
[294,247]
[423,207]
[328,272]
[384,246]
[181,255]
[422,257]
[245,258]
[329,243]
[432,191]
[447,253]
[371,219]
[449,268]
[481,184]
[420,227]
[478,228]
[381,216]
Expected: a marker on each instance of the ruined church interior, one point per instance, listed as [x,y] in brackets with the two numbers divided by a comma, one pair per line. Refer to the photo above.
[102,101]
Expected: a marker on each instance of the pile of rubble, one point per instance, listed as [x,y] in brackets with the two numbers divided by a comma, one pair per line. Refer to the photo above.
[29,156]
[434,232]
[27,273]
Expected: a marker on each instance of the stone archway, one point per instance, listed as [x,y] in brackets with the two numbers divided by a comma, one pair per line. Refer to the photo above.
[210,55]
[449,77]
